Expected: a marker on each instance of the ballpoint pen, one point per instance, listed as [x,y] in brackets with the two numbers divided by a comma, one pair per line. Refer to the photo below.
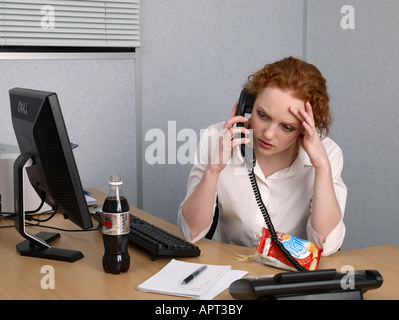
[194,274]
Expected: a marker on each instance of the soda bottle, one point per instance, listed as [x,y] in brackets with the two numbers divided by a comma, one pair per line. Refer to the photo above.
[115,228]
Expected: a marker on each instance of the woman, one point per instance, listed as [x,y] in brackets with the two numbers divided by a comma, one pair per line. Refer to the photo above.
[298,168]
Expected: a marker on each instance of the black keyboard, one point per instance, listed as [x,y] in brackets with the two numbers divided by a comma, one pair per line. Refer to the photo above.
[156,240]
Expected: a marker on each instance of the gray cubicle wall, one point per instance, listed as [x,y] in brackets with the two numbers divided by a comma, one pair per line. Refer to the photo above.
[362,67]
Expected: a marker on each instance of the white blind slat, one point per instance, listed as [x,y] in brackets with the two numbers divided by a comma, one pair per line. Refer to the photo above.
[111,23]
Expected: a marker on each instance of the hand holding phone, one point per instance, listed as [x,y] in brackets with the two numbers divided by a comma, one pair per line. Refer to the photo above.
[245,105]
[233,134]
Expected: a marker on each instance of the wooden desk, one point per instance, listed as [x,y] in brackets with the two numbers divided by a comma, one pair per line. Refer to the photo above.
[85,279]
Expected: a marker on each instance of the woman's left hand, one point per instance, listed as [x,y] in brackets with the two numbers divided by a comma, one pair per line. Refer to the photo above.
[310,138]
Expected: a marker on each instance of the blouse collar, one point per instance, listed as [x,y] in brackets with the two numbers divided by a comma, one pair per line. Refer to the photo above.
[301,161]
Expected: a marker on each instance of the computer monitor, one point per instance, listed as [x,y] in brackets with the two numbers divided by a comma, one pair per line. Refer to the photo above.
[51,168]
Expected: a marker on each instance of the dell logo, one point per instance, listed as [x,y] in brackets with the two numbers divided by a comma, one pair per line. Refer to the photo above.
[23,107]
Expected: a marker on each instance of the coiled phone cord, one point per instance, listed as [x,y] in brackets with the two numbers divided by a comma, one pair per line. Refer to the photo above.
[269,223]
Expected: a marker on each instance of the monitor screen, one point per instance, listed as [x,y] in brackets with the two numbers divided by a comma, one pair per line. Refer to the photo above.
[42,137]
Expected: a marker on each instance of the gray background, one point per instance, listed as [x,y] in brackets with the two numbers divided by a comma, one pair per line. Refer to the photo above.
[194,58]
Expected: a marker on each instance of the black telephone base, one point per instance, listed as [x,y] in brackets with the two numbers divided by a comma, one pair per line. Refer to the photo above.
[336,295]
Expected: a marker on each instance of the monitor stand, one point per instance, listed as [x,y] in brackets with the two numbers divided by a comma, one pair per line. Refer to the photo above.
[31,249]
[35,246]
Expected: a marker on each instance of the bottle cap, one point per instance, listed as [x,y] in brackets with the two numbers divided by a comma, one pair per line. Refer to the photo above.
[115,180]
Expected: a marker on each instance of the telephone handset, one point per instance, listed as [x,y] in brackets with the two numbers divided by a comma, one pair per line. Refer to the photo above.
[245,105]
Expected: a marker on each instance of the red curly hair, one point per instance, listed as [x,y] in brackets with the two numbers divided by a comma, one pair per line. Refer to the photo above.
[303,79]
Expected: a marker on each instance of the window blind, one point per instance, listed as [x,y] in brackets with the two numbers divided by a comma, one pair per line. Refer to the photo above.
[41,23]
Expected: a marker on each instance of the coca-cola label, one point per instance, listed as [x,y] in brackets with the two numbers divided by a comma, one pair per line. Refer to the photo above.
[116,224]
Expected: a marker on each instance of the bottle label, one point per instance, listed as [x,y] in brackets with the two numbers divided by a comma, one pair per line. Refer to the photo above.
[116,224]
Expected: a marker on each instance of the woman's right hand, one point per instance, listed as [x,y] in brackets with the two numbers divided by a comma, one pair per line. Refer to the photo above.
[198,208]
[229,137]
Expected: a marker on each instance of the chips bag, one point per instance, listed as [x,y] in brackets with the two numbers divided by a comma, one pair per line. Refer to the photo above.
[305,252]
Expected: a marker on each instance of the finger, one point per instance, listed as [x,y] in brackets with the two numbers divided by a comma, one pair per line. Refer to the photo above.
[239,141]
[309,108]
[307,117]
[306,126]
[228,135]
[296,113]
[234,112]
[309,129]
[232,121]
[224,146]
[309,111]
[238,130]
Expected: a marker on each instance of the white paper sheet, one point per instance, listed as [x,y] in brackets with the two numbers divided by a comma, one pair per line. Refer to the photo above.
[211,282]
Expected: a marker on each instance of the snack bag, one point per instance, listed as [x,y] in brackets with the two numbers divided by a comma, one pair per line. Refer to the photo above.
[305,252]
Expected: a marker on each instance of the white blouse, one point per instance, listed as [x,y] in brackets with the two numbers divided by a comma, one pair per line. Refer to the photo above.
[287,195]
